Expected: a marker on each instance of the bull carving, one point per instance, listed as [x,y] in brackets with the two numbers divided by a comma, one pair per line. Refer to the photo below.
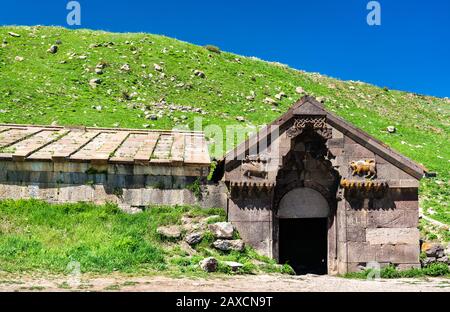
[364,167]
[254,167]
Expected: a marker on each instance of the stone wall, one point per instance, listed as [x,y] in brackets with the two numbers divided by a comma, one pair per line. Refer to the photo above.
[128,186]
[372,229]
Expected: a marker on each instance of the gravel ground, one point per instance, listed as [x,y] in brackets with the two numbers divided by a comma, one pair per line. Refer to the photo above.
[258,283]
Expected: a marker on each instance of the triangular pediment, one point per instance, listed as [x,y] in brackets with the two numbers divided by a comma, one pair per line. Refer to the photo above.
[309,106]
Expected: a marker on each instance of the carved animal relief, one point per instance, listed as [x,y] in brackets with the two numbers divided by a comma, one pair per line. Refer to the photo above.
[254,167]
[366,168]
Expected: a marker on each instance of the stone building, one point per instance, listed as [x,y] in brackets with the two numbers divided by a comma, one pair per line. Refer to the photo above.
[309,189]
[125,166]
[313,191]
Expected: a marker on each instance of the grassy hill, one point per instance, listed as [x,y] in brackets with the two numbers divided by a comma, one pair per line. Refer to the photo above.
[39,237]
[40,87]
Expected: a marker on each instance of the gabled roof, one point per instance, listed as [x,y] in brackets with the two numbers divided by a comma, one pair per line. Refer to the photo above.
[103,145]
[310,106]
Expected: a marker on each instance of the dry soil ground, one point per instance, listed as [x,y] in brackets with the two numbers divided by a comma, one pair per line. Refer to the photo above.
[217,284]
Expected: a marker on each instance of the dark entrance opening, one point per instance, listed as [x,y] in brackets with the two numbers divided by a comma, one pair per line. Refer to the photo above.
[303,244]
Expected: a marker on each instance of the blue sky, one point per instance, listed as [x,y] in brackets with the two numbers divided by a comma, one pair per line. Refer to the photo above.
[410,50]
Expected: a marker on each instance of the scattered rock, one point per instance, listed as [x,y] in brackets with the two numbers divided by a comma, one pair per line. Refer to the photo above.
[226,245]
[53,49]
[151,117]
[101,65]
[171,231]
[199,73]
[222,229]
[433,250]
[194,238]
[240,118]
[351,87]
[300,90]
[280,96]
[187,249]
[157,67]
[130,210]
[13,34]
[428,261]
[58,42]
[251,97]
[444,259]
[125,68]
[19,59]
[320,99]
[82,57]
[391,129]
[95,82]
[209,264]
[99,71]
[233,265]
[208,218]
[270,101]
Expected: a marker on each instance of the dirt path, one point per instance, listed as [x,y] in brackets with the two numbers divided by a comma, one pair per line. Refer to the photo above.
[217,284]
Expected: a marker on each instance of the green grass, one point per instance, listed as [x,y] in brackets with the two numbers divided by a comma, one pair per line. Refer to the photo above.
[46,88]
[435,269]
[39,237]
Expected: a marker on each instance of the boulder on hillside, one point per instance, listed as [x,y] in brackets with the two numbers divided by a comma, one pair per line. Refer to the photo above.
[171,231]
[199,73]
[227,245]
[270,101]
[222,229]
[209,264]
[13,34]
[391,129]
[53,49]
[125,68]
[157,67]
[433,250]
[233,265]
[194,238]
[300,90]
[95,82]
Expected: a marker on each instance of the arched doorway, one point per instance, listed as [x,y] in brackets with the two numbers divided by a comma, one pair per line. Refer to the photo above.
[303,229]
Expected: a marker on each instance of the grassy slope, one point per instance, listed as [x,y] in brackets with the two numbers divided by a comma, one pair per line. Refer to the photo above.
[36,236]
[42,90]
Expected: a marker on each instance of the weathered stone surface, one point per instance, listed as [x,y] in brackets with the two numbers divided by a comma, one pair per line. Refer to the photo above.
[365,252]
[398,253]
[256,234]
[233,265]
[171,231]
[393,218]
[194,238]
[356,234]
[209,264]
[227,245]
[392,236]
[249,209]
[222,229]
